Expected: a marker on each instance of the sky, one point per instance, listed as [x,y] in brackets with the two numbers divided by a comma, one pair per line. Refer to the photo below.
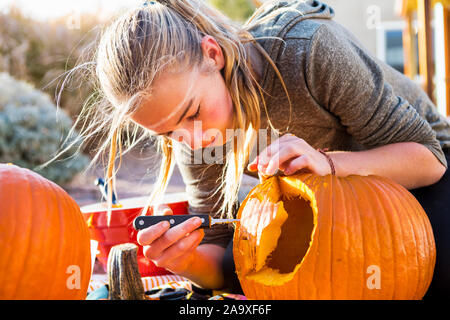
[47,9]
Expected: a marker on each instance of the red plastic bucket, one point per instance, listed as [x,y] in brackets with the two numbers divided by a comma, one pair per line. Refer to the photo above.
[121,228]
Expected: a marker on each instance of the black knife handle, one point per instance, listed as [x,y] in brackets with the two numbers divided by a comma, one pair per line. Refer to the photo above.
[143,222]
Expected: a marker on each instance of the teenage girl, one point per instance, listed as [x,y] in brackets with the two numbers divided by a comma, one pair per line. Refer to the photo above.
[185,74]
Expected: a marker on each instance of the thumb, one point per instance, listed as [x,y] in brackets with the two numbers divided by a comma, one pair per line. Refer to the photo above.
[253,166]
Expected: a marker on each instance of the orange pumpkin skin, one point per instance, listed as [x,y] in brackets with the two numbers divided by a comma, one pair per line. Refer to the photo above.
[312,237]
[44,240]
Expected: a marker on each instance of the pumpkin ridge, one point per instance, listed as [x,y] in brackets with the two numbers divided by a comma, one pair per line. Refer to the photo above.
[376,198]
[357,213]
[7,249]
[374,187]
[412,235]
[380,230]
[318,181]
[430,249]
[28,232]
[339,193]
[11,243]
[58,245]
[362,216]
[85,265]
[332,233]
[64,229]
[403,208]
[398,247]
[424,232]
[37,246]
[51,199]
[416,288]
[328,237]
[430,246]
[417,231]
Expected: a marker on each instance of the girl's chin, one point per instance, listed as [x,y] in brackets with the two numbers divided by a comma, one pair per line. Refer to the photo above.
[213,143]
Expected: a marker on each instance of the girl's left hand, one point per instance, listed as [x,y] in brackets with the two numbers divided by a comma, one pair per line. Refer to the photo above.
[290,154]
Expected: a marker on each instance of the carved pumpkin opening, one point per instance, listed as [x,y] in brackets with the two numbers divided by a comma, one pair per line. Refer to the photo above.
[295,237]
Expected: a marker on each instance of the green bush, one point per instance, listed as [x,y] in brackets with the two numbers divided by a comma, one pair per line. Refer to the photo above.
[33,130]
[237,10]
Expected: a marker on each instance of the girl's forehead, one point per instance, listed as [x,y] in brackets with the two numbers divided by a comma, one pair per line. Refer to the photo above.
[168,99]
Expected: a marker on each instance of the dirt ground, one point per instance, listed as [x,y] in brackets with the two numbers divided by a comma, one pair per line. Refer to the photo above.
[135,178]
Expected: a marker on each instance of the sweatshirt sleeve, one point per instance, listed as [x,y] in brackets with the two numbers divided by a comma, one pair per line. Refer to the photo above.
[202,180]
[351,85]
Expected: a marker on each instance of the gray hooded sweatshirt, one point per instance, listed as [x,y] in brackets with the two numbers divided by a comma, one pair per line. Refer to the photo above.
[342,98]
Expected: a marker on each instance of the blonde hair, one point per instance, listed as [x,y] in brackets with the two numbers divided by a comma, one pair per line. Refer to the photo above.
[165,36]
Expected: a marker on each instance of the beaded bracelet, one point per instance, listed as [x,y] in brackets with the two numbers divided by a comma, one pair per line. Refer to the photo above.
[323,151]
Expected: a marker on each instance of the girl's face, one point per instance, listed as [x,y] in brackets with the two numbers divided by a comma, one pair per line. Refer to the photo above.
[193,107]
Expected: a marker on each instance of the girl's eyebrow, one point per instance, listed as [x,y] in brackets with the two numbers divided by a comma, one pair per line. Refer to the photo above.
[182,115]
[185,110]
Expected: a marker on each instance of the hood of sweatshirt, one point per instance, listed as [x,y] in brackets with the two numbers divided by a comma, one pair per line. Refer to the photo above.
[275,17]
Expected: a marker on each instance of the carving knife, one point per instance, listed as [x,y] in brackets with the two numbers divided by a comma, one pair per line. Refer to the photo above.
[143,222]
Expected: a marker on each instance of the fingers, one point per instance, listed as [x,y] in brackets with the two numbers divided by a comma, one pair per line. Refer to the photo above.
[297,164]
[181,250]
[262,160]
[291,155]
[148,235]
[278,159]
[167,247]
[170,237]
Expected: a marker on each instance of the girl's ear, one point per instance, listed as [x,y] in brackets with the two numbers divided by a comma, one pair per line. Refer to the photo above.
[212,53]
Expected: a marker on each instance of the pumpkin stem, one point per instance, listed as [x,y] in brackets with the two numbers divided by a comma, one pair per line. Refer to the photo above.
[124,278]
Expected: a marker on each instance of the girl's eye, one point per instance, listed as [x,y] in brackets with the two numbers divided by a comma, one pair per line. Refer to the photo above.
[195,116]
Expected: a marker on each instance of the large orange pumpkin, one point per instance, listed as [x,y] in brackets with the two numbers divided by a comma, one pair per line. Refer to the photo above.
[312,237]
[44,240]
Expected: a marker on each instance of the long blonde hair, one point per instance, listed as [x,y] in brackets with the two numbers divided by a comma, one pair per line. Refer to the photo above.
[161,37]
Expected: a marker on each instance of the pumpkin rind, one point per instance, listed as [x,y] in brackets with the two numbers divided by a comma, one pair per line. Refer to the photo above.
[44,239]
[359,224]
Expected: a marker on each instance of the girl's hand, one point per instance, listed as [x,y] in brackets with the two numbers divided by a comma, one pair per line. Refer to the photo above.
[289,154]
[171,248]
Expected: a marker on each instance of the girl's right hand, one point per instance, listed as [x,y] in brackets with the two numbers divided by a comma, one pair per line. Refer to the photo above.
[171,248]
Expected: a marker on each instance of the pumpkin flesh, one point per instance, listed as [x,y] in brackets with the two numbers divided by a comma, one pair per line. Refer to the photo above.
[280,229]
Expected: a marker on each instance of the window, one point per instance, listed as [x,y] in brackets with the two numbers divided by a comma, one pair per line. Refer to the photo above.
[390,44]
[394,49]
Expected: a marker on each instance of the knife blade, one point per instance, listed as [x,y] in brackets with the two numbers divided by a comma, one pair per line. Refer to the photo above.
[143,222]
